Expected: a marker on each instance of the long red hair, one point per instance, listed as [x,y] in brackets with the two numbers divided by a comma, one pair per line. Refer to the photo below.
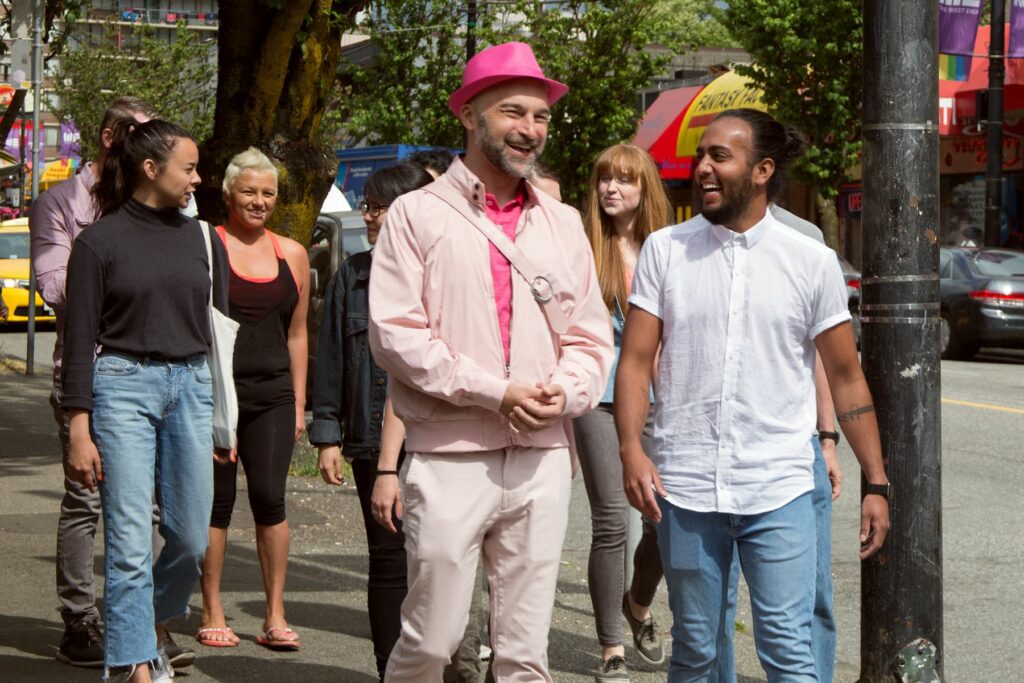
[654,212]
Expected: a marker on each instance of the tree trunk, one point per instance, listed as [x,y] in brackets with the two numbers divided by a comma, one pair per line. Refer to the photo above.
[828,219]
[276,68]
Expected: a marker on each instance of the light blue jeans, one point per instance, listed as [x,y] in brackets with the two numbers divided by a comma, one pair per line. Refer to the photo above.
[152,424]
[777,552]
[823,625]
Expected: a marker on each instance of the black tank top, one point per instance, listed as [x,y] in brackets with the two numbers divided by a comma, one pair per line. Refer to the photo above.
[263,309]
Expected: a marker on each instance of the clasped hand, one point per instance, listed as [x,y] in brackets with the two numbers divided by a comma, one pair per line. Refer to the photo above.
[531,409]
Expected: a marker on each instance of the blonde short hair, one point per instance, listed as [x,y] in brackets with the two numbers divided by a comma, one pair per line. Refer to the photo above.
[251,159]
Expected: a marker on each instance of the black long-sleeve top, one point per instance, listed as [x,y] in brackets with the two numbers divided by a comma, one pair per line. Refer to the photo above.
[138,283]
[349,388]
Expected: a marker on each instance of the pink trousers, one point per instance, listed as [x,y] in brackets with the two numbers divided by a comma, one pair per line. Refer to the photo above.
[509,505]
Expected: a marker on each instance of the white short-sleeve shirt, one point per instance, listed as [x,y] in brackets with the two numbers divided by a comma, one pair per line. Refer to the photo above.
[735,409]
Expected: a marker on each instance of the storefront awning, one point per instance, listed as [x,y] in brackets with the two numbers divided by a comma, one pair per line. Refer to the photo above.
[728,91]
[659,131]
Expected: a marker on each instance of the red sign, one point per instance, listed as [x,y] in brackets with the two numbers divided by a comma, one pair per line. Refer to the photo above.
[6,94]
[853,202]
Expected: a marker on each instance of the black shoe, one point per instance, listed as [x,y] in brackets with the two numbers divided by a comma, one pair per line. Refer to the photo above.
[178,656]
[612,669]
[645,635]
[81,645]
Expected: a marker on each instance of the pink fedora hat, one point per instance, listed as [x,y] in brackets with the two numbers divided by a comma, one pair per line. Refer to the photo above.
[501,63]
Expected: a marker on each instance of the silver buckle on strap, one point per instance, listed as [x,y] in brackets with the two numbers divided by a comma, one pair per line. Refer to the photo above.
[541,289]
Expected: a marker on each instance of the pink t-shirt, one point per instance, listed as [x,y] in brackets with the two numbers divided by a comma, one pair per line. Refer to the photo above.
[507,218]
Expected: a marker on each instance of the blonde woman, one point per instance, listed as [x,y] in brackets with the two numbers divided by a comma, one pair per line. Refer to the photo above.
[626,203]
[268,297]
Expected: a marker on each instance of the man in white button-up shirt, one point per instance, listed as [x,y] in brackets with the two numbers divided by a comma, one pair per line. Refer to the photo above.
[738,305]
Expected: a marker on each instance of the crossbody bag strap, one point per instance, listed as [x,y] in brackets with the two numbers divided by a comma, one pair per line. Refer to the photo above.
[540,284]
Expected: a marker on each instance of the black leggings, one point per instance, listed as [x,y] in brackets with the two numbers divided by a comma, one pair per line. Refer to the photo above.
[265,443]
[386,587]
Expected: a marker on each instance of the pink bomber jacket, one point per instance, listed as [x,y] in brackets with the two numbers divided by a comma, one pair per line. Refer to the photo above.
[434,327]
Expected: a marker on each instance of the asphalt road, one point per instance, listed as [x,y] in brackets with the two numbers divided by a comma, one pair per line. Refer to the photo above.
[983,433]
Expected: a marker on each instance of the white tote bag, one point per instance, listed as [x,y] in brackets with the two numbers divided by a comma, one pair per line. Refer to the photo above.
[223,331]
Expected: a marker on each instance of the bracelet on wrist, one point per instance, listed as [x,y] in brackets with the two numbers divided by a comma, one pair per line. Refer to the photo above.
[380,472]
[824,434]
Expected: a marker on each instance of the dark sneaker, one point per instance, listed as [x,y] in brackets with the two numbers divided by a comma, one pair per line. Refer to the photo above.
[178,656]
[645,635]
[81,645]
[612,669]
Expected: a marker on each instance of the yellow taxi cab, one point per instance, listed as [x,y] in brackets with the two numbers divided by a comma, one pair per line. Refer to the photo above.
[14,272]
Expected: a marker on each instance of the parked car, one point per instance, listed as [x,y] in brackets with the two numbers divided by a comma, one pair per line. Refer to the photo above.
[336,236]
[852,277]
[982,295]
[14,273]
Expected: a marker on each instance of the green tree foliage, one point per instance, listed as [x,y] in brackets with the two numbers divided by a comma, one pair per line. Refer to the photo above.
[177,78]
[59,17]
[595,48]
[688,24]
[403,96]
[806,57]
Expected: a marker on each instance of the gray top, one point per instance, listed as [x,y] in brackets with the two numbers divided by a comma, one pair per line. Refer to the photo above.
[791,220]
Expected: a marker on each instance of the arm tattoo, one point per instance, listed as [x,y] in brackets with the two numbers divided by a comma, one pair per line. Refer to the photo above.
[855,412]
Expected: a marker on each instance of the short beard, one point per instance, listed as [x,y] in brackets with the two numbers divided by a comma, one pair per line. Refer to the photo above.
[494,152]
[734,202]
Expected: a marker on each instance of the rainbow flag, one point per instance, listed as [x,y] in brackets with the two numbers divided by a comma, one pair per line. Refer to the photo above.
[954,67]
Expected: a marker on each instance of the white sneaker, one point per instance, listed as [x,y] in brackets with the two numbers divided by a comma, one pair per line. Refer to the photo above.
[160,669]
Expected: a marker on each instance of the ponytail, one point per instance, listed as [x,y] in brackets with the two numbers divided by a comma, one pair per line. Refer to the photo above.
[131,144]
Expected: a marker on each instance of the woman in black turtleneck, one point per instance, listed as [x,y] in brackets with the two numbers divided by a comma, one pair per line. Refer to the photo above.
[141,412]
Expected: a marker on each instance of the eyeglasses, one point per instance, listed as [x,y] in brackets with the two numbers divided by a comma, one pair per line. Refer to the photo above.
[372,210]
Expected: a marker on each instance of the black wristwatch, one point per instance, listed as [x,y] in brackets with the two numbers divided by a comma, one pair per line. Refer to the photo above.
[876,490]
[822,434]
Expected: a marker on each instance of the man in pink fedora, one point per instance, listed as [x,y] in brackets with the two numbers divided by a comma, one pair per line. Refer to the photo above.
[486,312]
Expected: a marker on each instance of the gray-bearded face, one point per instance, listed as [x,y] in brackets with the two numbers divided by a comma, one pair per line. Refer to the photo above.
[496,151]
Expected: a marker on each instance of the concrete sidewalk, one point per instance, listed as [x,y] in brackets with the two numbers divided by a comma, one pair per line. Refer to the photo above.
[325,595]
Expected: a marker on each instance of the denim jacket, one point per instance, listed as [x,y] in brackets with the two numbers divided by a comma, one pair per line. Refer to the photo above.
[349,389]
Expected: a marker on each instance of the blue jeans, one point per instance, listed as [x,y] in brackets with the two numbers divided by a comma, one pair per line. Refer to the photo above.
[777,552]
[823,626]
[152,424]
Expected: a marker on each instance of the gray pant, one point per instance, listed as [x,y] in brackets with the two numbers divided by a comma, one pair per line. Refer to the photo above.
[598,446]
[76,534]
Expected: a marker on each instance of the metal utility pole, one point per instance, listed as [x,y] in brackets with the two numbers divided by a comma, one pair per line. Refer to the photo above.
[901,586]
[470,30]
[994,132]
[470,48]
[37,171]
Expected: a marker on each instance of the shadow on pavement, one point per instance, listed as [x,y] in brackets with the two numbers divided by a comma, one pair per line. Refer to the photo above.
[239,668]
[314,615]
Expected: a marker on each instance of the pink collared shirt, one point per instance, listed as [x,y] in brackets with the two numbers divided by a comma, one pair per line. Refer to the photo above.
[507,218]
[56,219]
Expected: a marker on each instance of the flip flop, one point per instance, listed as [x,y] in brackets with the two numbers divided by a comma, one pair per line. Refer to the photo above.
[273,640]
[204,639]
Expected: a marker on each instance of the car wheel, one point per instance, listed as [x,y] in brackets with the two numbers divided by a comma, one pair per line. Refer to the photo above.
[951,346]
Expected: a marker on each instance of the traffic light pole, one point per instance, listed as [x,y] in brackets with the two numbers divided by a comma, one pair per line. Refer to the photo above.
[901,586]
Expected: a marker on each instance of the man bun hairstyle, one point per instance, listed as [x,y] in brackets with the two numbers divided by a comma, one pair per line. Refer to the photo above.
[131,144]
[771,140]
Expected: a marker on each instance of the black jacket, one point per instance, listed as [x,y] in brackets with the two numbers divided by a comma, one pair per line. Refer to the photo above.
[349,390]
